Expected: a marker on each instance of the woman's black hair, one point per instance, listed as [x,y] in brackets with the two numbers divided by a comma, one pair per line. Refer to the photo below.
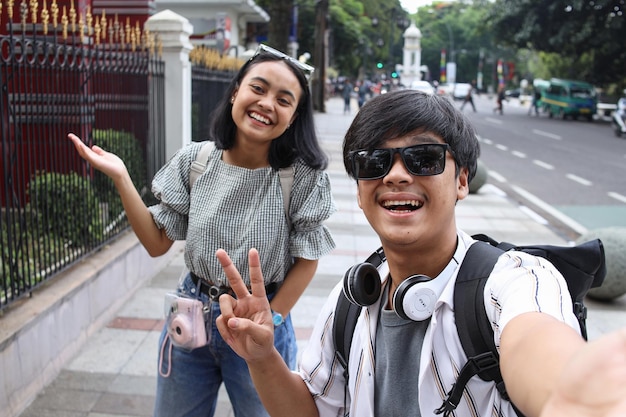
[396,114]
[298,141]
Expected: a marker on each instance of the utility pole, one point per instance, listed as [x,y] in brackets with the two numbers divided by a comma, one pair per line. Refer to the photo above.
[319,57]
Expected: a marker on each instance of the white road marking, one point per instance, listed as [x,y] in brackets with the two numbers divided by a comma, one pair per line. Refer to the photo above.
[617,196]
[543,164]
[579,180]
[519,154]
[546,134]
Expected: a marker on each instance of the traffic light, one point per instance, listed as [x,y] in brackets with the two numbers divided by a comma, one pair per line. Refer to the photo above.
[379,65]
[394,75]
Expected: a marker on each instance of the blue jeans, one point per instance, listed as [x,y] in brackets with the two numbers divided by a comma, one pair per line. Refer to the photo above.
[191,388]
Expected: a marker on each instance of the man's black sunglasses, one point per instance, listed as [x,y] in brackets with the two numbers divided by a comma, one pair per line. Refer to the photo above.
[421,160]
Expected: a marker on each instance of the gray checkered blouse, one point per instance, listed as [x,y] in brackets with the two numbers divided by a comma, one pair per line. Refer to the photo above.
[236,209]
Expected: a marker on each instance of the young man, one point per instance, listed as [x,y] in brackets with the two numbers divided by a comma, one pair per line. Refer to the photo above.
[413,156]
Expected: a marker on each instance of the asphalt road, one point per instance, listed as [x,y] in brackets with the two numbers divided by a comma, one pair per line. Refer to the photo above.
[570,172]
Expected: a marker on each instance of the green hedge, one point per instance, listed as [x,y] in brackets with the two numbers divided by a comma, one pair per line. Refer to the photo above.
[68,207]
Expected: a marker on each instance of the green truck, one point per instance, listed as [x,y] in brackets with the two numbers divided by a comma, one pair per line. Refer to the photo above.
[568,98]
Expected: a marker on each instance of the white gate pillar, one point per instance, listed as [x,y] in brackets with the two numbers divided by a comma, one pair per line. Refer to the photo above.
[173,31]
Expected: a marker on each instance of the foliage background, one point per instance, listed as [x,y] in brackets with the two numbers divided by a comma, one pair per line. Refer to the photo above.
[578,39]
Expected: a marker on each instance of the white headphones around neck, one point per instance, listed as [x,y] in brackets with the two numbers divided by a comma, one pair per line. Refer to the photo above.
[415,297]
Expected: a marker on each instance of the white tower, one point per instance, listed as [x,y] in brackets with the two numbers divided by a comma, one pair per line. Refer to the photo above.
[412,59]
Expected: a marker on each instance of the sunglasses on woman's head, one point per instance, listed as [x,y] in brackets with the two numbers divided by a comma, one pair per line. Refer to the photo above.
[306,69]
[420,160]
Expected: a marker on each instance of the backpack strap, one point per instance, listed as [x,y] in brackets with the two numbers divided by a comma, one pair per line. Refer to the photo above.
[286,183]
[346,316]
[199,164]
[472,323]
[202,158]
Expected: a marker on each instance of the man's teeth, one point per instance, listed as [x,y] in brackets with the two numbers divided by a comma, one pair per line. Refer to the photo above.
[260,118]
[402,204]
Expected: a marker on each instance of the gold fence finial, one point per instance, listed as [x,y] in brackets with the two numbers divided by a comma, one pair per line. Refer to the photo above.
[73,16]
[137,33]
[111,31]
[23,13]
[89,18]
[103,23]
[54,9]
[10,9]
[81,29]
[116,29]
[64,22]
[97,30]
[127,30]
[34,7]
[45,17]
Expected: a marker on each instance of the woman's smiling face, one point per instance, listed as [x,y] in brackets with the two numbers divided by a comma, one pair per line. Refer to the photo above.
[266,101]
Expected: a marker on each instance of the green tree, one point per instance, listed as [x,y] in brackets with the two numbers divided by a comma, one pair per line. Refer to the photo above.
[585,34]
[280,22]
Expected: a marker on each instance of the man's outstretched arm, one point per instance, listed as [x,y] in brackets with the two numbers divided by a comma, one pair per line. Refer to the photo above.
[550,371]
[246,325]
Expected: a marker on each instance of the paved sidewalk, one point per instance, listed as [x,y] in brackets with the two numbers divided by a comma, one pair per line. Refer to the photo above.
[115,372]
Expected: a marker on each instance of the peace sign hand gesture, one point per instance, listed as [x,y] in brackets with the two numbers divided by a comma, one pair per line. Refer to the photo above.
[246,321]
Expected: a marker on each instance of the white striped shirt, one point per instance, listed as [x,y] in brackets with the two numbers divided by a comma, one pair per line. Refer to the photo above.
[519,283]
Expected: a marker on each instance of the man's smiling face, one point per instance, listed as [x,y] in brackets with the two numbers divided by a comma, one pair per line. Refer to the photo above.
[405,209]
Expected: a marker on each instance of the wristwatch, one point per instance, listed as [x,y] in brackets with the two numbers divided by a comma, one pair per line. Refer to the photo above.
[277,318]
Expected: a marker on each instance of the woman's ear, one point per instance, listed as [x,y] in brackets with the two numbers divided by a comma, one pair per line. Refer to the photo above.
[294,117]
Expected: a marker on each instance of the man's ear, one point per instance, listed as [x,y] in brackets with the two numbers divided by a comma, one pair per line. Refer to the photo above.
[358,196]
[462,184]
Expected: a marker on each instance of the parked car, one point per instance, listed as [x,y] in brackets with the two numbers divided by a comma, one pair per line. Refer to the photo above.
[515,93]
[424,86]
[570,98]
[444,89]
[460,90]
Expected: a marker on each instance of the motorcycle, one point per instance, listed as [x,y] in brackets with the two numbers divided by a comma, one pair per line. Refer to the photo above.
[618,119]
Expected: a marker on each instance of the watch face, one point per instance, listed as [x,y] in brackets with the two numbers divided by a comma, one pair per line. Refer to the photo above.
[277,318]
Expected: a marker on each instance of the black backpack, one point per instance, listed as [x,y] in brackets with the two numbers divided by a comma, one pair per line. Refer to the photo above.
[582,266]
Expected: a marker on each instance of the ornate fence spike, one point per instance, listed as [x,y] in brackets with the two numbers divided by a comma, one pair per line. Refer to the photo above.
[138,34]
[64,23]
[111,31]
[127,29]
[73,16]
[116,30]
[34,7]
[10,9]
[89,18]
[45,17]
[103,24]
[97,30]
[54,9]
[81,29]
[23,13]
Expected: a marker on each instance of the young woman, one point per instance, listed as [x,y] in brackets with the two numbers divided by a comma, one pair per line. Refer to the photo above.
[263,123]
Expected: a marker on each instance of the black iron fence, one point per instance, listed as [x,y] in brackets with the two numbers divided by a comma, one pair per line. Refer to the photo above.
[211,74]
[105,83]
[55,209]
